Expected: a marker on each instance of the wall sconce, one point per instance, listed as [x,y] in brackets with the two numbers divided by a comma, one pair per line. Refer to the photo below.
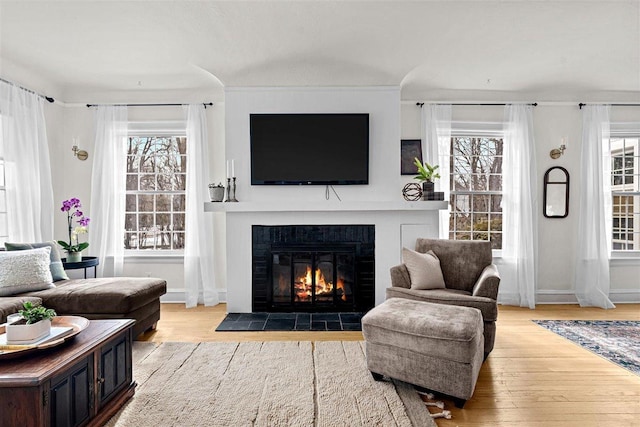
[80,154]
[557,152]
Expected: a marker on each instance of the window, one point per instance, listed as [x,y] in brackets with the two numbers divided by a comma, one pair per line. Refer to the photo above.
[155,195]
[476,189]
[625,189]
[4,226]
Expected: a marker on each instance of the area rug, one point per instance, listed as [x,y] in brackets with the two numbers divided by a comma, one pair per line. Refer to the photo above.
[264,384]
[616,340]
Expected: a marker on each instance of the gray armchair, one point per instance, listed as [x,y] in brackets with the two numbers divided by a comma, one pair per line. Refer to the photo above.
[470,277]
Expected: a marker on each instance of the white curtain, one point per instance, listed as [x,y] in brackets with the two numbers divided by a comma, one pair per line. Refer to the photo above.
[107,210]
[519,209]
[592,280]
[198,250]
[29,191]
[436,134]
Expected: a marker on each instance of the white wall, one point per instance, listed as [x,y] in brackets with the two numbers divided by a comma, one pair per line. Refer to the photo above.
[383,106]
[557,237]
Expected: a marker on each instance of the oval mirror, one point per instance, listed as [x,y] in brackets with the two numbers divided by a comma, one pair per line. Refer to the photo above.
[556,193]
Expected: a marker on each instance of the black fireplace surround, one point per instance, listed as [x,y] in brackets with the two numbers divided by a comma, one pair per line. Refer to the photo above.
[313,268]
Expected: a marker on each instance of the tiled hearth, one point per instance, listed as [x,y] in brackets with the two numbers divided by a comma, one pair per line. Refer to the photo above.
[291,322]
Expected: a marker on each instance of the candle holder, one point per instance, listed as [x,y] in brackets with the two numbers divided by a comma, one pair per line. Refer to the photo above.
[227,197]
[231,195]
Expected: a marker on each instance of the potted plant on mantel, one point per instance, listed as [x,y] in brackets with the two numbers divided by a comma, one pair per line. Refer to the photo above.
[34,324]
[73,248]
[427,174]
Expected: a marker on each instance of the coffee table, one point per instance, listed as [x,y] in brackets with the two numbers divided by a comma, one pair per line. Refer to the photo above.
[81,382]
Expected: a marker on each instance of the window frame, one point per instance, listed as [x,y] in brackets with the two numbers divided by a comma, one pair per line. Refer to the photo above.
[467,129]
[155,129]
[625,131]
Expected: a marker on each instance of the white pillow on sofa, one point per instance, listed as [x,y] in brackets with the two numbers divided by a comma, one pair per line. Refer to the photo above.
[25,271]
[424,269]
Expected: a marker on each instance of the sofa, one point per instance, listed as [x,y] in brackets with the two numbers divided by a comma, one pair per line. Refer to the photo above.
[135,298]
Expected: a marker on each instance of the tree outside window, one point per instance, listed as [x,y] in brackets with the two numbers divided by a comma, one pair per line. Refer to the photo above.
[155,193]
[476,189]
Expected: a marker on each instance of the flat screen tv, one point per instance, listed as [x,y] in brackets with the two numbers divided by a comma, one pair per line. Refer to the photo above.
[309,149]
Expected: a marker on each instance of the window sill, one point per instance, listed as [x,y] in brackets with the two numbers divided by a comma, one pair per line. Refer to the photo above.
[625,258]
[148,257]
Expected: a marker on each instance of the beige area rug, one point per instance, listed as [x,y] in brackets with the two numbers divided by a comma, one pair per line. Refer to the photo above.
[264,384]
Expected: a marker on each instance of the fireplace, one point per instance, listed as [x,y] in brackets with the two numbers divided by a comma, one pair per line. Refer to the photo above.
[313,268]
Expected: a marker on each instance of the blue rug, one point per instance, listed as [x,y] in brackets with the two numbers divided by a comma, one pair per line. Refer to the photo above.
[616,340]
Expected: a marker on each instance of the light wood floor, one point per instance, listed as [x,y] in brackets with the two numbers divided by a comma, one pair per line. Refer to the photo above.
[533,377]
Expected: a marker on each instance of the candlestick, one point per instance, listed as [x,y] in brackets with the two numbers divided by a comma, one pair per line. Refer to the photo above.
[233,190]
[227,197]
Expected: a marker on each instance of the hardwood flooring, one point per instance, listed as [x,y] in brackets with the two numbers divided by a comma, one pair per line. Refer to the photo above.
[533,377]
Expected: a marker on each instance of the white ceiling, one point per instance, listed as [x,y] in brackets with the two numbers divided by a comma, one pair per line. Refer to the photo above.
[562,50]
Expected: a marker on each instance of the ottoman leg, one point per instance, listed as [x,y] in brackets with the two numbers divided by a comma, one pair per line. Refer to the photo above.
[376,376]
[459,402]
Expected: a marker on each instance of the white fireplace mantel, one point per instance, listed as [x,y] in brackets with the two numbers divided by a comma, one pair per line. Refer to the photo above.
[326,206]
[397,224]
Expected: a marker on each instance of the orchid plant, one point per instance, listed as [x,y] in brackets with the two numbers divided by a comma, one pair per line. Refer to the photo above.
[72,208]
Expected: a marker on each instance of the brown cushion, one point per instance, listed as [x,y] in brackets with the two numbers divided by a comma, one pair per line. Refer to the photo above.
[10,305]
[102,295]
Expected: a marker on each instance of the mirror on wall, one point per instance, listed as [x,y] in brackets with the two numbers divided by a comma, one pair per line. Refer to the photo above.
[556,192]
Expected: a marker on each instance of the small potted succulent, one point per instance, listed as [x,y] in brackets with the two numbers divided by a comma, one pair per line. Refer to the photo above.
[427,174]
[34,324]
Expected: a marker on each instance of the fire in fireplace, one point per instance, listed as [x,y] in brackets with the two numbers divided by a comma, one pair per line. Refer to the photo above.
[313,278]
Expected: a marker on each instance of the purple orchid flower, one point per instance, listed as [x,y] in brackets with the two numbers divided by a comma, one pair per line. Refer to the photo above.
[72,207]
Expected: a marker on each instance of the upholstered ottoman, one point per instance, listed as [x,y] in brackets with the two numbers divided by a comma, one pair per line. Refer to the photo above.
[435,346]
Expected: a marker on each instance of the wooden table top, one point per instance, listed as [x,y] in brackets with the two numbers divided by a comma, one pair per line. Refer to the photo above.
[34,369]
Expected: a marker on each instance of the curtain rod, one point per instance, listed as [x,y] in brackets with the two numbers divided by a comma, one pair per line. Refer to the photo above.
[147,105]
[420,104]
[582,104]
[48,98]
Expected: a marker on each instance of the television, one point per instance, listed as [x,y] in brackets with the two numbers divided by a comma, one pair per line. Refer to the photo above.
[309,149]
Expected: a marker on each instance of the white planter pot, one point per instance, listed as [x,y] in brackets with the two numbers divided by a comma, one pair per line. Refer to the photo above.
[74,256]
[27,334]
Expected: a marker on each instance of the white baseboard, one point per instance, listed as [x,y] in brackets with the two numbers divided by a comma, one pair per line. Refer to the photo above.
[178,297]
[617,296]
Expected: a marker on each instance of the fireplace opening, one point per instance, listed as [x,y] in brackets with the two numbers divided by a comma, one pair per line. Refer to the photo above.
[313,268]
[313,279]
